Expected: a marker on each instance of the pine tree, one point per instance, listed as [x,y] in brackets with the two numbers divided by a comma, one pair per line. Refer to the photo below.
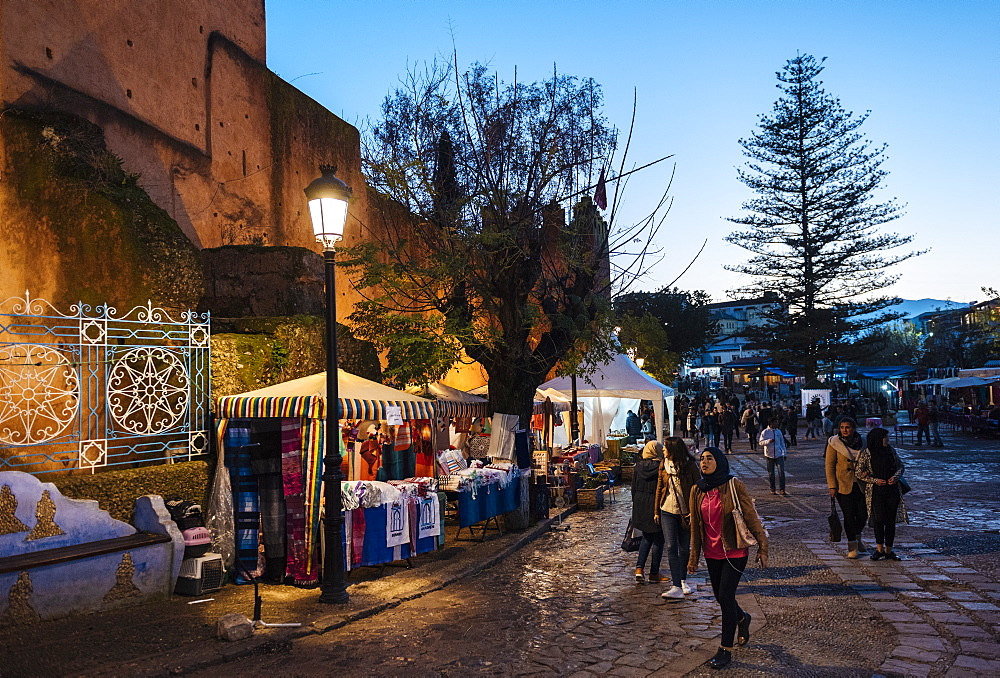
[813,226]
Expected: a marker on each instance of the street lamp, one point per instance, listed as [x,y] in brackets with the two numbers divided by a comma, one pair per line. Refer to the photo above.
[328,199]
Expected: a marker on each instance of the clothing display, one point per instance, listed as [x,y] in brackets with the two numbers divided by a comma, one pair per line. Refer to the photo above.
[389,520]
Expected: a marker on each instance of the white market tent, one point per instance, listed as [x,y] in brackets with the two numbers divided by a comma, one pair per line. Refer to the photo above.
[452,402]
[611,391]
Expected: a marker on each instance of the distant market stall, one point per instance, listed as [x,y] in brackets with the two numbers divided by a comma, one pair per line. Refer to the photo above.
[610,392]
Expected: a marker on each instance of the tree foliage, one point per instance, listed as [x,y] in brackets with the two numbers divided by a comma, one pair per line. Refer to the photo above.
[665,327]
[476,176]
[813,226]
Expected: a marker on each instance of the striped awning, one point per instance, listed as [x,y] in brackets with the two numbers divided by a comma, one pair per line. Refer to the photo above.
[314,407]
[450,408]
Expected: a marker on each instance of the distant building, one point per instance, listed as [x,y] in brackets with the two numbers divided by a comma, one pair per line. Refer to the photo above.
[733,318]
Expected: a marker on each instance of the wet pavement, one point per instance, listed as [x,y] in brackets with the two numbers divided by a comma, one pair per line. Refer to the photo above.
[567,604]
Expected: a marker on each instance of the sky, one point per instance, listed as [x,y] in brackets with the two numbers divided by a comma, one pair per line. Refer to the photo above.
[704,71]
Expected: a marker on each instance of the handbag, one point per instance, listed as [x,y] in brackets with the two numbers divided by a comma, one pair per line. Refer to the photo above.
[744,537]
[836,529]
[630,543]
[903,485]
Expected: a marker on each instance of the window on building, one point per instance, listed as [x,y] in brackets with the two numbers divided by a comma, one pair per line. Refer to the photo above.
[736,356]
[718,359]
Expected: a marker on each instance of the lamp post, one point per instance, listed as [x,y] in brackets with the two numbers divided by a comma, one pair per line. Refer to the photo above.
[328,199]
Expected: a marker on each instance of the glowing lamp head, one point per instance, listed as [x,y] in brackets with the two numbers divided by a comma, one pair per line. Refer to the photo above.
[328,199]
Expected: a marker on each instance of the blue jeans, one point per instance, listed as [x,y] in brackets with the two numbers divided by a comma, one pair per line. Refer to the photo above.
[677,541]
[780,463]
[652,542]
[923,430]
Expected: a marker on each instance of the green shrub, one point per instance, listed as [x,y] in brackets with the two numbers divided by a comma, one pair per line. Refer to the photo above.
[116,491]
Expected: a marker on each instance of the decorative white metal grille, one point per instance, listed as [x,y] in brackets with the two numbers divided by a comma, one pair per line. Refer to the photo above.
[39,394]
[94,387]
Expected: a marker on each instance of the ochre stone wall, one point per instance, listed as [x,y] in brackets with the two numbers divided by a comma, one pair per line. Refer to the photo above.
[183,96]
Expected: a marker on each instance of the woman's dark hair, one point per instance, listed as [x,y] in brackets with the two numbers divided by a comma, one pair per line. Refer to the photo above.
[848,420]
[875,438]
[677,451]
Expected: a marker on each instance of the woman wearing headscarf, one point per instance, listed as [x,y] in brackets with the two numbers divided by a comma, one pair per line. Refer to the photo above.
[842,452]
[713,529]
[880,468]
[644,514]
[678,475]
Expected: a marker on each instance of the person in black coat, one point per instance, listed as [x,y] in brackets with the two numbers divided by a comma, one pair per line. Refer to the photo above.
[644,512]
[727,425]
[633,427]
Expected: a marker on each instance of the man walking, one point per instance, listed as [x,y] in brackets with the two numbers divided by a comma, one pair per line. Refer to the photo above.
[774,451]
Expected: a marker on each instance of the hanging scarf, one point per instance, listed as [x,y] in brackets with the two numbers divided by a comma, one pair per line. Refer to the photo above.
[721,475]
[883,460]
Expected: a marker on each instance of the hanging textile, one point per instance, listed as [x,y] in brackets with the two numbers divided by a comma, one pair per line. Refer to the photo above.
[246,502]
[312,472]
[265,460]
[430,523]
[423,447]
[397,523]
[293,484]
[502,439]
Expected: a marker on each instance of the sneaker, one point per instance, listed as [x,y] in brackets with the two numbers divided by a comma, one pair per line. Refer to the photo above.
[891,555]
[686,588]
[657,579]
[674,593]
[784,494]
[878,555]
[640,578]
[850,554]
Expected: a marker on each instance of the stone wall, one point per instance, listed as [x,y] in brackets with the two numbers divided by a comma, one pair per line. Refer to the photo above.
[181,90]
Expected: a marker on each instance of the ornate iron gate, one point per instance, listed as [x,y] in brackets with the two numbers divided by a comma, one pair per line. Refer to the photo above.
[91,388]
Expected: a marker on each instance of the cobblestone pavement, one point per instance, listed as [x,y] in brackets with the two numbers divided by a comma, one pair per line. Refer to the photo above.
[567,604]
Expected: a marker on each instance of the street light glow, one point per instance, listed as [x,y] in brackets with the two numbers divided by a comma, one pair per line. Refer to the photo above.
[328,199]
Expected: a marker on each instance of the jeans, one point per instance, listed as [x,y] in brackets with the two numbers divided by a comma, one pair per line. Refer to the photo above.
[652,543]
[752,437]
[885,503]
[780,463]
[813,428]
[855,512]
[725,574]
[677,538]
[727,438]
[923,430]
[937,436]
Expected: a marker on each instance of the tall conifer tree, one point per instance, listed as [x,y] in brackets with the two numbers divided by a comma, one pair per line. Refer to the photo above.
[813,226]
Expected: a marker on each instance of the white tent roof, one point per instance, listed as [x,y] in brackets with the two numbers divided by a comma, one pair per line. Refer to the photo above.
[349,386]
[443,392]
[621,378]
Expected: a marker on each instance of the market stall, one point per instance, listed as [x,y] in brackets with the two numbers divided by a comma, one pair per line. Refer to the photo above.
[612,390]
[481,493]
[272,442]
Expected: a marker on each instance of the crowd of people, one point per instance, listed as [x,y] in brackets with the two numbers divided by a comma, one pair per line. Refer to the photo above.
[690,508]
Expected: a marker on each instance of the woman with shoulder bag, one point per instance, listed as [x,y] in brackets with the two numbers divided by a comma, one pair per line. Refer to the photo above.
[644,515]
[678,475]
[880,468]
[842,452]
[715,499]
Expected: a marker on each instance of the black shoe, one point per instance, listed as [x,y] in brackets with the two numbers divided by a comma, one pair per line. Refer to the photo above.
[891,555]
[743,629]
[722,659]
[878,555]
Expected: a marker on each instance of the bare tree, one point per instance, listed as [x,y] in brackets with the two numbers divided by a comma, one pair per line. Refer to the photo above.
[476,176]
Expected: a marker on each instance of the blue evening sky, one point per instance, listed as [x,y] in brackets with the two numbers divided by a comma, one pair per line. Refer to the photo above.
[929,71]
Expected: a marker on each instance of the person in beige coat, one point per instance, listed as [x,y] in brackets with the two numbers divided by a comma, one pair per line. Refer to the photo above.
[842,452]
[713,530]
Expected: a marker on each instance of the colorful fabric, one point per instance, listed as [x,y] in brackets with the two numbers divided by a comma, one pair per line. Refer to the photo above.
[293,483]
[397,524]
[312,471]
[314,407]
[246,502]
